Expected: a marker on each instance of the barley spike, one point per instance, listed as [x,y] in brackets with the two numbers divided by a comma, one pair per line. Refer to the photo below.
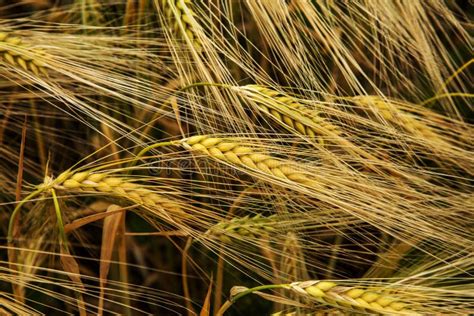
[115,186]
[14,53]
[291,113]
[235,153]
[389,111]
[181,16]
[250,227]
[355,298]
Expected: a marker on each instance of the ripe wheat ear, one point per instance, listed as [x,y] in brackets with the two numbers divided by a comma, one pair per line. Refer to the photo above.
[234,152]
[351,298]
[291,113]
[389,110]
[13,52]
[116,187]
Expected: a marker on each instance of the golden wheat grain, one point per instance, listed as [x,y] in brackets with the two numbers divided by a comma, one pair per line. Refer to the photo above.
[181,16]
[13,52]
[351,298]
[232,151]
[290,112]
[114,186]
[247,227]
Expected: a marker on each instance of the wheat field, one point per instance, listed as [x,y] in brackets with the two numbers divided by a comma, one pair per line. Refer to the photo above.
[236,157]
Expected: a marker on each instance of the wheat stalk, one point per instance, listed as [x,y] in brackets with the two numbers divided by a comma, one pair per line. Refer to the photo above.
[290,112]
[249,227]
[13,52]
[115,186]
[233,152]
[180,14]
[358,299]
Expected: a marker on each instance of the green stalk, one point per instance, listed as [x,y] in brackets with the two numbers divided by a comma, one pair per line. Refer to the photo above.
[17,210]
[228,304]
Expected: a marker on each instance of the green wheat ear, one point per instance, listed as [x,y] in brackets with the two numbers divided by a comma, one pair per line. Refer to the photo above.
[15,53]
[247,227]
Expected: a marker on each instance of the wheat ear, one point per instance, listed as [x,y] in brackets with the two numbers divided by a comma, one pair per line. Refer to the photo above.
[114,186]
[233,152]
[181,16]
[351,298]
[290,112]
[13,52]
[248,227]
[388,109]
[307,121]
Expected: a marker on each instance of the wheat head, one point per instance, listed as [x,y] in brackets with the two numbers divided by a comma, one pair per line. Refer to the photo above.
[13,52]
[181,16]
[389,110]
[290,112]
[351,298]
[115,186]
[233,152]
[249,227]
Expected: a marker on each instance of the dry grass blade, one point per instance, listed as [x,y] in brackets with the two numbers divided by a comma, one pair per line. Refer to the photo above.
[14,53]
[109,233]
[206,307]
[70,265]
[292,262]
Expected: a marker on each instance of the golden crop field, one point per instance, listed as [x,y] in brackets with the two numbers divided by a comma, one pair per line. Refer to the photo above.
[236,157]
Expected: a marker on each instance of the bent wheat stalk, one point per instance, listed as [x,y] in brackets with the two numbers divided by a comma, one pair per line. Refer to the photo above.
[14,53]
